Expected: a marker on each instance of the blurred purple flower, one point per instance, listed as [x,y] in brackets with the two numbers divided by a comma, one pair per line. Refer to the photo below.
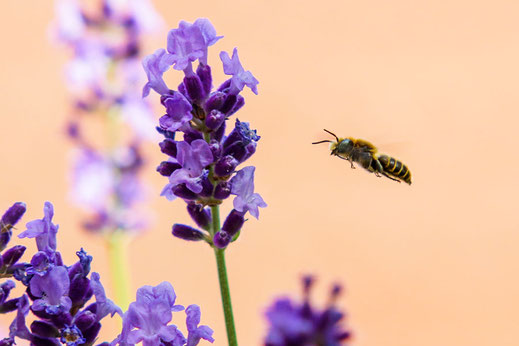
[294,323]
[92,180]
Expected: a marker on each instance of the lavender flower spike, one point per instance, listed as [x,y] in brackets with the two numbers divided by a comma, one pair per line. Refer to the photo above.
[240,77]
[243,188]
[155,65]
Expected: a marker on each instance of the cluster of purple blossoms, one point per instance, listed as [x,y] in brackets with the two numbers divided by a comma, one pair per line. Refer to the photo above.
[58,296]
[104,78]
[203,167]
[298,324]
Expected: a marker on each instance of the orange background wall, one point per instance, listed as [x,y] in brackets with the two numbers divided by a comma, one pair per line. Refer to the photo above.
[433,263]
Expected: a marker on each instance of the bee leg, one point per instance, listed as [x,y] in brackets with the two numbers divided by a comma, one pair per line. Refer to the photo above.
[387,176]
[349,160]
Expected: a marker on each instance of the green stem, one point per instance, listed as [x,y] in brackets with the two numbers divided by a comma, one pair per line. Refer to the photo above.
[118,258]
[224,282]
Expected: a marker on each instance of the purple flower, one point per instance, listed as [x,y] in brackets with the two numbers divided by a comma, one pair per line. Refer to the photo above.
[178,112]
[189,42]
[52,289]
[293,323]
[148,317]
[43,230]
[193,158]
[240,77]
[40,264]
[196,332]
[243,187]
[155,65]
[104,306]
[18,328]
[72,336]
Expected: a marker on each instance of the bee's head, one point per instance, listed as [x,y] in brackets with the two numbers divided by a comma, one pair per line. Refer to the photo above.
[344,147]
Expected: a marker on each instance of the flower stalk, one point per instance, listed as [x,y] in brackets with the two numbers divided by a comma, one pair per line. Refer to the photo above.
[117,245]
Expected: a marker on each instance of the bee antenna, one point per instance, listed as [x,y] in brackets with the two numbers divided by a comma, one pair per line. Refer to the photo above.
[326,141]
[333,134]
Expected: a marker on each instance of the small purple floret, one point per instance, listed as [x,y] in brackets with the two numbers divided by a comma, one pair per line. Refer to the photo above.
[240,77]
[243,188]
[43,230]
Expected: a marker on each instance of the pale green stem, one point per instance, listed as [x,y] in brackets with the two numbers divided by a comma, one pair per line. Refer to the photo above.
[117,245]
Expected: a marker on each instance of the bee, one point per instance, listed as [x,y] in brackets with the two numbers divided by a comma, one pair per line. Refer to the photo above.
[367,156]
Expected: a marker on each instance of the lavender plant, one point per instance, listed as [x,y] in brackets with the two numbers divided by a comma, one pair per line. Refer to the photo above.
[292,323]
[104,78]
[203,167]
[58,296]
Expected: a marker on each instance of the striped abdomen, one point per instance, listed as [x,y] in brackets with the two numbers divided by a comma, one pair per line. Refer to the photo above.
[395,168]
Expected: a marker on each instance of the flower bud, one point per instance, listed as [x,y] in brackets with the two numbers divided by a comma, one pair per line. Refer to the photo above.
[223,190]
[194,88]
[219,133]
[207,187]
[44,329]
[221,239]
[5,237]
[166,168]
[225,85]
[215,101]
[204,73]
[168,147]
[214,119]
[85,320]
[91,333]
[240,101]
[216,148]
[233,223]
[225,166]
[12,255]
[191,135]
[228,104]
[182,191]
[186,232]
[13,215]
[200,215]
[78,290]
[9,306]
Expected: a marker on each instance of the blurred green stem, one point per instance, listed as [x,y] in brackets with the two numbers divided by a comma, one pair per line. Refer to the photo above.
[117,245]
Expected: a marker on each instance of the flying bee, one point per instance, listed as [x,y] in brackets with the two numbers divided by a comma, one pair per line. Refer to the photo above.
[367,156]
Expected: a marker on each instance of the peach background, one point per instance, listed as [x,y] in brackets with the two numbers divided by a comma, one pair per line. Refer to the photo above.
[434,263]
